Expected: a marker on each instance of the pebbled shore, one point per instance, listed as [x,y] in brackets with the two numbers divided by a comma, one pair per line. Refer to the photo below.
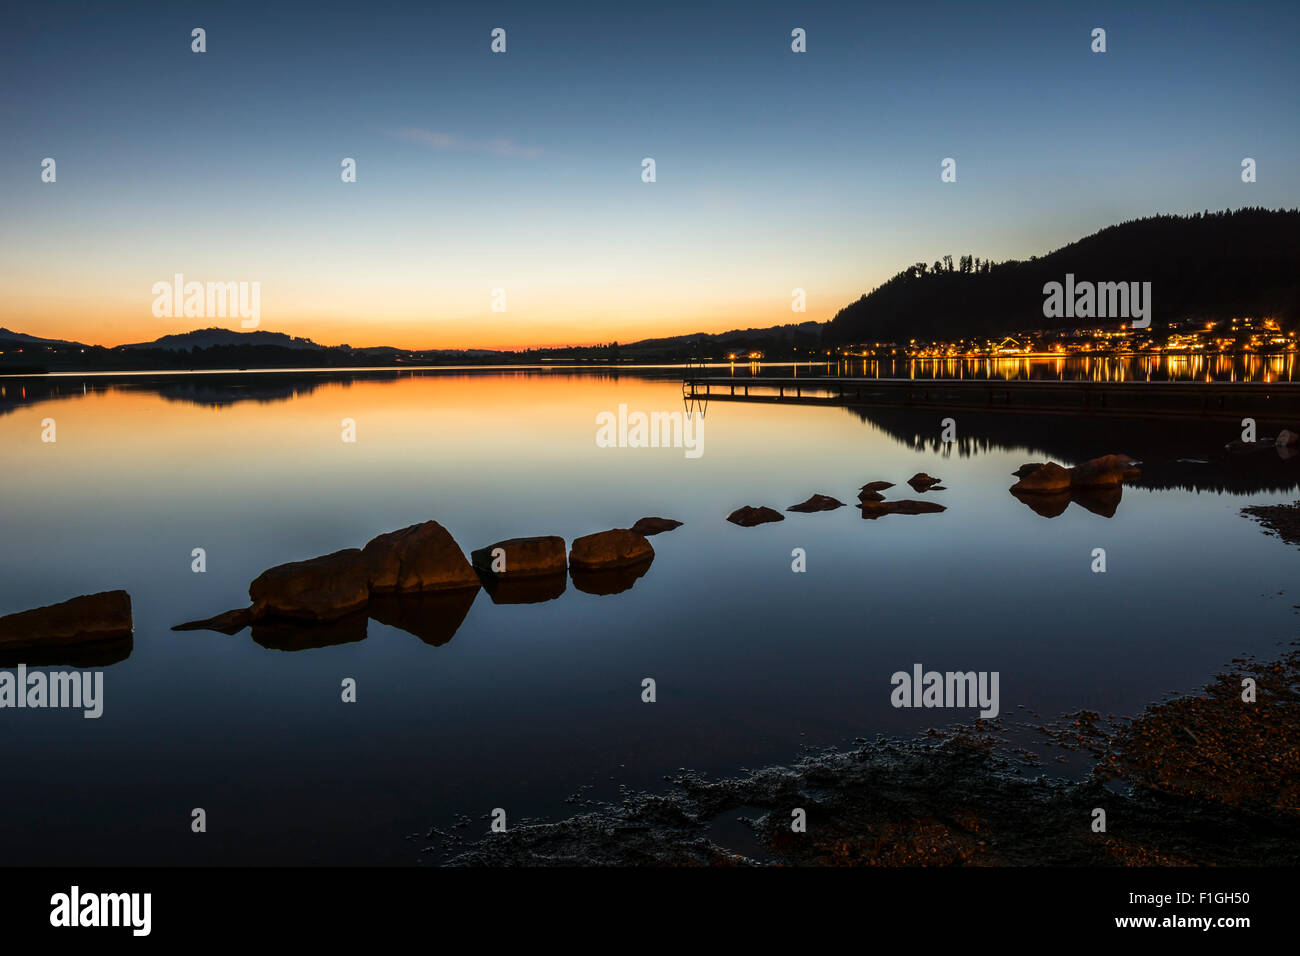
[1282,521]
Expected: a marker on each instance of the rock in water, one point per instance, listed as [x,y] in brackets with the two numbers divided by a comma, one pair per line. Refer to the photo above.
[748,516]
[874,509]
[867,494]
[610,549]
[922,482]
[319,589]
[1048,479]
[1028,469]
[1106,470]
[423,557]
[90,619]
[649,526]
[877,485]
[522,557]
[229,622]
[912,507]
[817,503]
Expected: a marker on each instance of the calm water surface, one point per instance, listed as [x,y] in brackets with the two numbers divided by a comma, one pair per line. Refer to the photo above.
[527,703]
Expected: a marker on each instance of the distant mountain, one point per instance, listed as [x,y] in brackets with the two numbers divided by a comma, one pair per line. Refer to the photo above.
[1204,266]
[10,339]
[788,333]
[216,348]
[222,338]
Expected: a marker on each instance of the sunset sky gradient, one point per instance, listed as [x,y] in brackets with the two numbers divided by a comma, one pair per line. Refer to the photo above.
[522,171]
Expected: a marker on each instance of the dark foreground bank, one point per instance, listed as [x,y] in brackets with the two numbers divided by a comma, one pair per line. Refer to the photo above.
[1202,780]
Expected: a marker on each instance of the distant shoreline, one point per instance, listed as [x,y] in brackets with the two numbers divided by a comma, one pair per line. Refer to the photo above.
[346,369]
[845,358]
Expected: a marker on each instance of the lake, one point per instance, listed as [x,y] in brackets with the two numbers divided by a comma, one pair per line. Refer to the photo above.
[528,703]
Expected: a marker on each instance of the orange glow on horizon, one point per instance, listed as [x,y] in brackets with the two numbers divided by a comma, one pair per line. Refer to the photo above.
[489,330]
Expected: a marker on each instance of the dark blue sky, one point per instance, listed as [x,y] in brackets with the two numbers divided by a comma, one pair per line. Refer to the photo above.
[521,171]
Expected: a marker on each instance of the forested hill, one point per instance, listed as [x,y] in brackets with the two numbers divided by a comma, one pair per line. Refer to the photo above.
[1208,265]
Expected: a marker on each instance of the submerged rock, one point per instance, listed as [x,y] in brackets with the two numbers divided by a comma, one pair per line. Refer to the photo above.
[1048,479]
[522,557]
[749,516]
[318,589]
[423,557]
[228,622]
[85,631]
[610,549]
[875,509]
[817,503]
[649,526]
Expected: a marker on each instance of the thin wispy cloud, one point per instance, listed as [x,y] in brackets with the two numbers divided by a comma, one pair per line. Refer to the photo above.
[497,146]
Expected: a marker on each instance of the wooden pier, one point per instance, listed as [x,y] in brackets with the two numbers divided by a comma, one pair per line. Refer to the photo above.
[1220,400]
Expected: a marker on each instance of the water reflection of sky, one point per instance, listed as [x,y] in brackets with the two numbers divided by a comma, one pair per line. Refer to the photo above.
[528,702]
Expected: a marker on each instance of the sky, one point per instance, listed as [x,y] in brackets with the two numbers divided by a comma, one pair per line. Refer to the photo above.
[522,171]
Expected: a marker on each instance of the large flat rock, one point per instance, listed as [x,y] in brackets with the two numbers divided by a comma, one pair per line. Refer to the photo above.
[90,619]
[610,549]
[318,589]
[522,557]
